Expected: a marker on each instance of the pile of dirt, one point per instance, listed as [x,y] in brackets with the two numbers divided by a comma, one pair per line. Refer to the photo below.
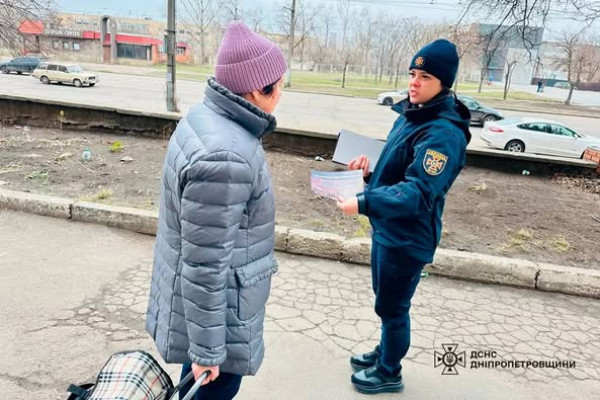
[537,218]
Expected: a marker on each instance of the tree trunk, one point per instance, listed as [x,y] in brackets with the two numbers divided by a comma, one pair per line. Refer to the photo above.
[344,74]
[568,101]
[481,80]
[397,75]
[457,75]
[288,80]
[302,56]
[202,47]
[506,83]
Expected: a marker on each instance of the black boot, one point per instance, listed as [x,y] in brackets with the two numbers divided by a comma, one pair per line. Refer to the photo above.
[375,380]
[364,361]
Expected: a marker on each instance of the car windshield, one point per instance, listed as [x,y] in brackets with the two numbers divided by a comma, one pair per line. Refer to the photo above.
[74,68]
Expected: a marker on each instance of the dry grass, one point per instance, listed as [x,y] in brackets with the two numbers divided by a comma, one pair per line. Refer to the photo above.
[519,240]
[103,194]
[560,244]
[364,228]
[478,188]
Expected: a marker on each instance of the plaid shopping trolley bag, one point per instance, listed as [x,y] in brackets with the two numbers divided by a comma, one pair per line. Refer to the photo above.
[132,375]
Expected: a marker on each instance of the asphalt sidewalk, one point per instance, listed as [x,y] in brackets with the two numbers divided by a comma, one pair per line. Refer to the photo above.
[449,263]
[73,293]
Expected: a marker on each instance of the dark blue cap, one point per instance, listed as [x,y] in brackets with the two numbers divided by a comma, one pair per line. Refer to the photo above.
[438,58]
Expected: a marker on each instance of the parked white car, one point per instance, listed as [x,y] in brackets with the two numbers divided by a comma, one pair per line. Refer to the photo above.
[539,136]
[390,98]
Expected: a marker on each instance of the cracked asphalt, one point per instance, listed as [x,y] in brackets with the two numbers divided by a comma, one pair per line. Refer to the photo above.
[72,294]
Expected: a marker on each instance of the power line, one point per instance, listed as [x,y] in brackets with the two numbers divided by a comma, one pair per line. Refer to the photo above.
[430,5]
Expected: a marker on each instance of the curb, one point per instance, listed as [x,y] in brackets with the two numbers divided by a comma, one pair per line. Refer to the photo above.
[448,263]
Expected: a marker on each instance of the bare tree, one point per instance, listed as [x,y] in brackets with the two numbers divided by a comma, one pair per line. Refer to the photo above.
[395,48]
[297,21]
[491,44]
[575,59]
[529,13]
[232,9]
[290,16]
[366,36]
[13,13]
[510,68]
[256,19]
[305,25]
[323,27]
[465,38]
[383,24]
[592,49]
[346,19]
[201,14]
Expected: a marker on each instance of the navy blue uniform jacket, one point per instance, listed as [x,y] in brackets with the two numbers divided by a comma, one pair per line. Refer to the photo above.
[424,153]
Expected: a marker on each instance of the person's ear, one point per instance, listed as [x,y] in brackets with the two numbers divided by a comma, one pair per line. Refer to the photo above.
[253,97]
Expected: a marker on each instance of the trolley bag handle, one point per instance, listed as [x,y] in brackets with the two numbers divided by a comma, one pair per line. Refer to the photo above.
[80,392]
[194,388]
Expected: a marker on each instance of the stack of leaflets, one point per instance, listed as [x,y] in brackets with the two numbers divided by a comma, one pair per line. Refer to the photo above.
[336,185]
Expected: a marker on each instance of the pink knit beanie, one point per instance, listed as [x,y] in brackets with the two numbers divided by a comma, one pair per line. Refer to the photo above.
[247,61]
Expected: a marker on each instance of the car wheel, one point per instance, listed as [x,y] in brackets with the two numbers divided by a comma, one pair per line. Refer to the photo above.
[44,79]
[19,73]
[388,101]
[92,84]
[487,118]
[4,70]
[77,83]
[515,146]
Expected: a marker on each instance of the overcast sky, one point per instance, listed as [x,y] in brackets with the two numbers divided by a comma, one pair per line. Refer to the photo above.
[440,10]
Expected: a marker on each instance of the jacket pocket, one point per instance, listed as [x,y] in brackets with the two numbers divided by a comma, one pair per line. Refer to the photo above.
[254,286]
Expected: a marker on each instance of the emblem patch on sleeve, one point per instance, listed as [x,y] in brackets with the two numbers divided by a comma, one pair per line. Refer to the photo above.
[434,162]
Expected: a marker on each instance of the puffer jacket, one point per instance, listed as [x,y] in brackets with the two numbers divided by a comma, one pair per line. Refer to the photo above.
[213,256]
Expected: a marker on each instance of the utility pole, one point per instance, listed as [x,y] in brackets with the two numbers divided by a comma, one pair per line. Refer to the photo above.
[170,44]
[288,75]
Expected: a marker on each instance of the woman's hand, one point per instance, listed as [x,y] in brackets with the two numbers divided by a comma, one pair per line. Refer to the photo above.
[360,162]
[213,372]
[348,206]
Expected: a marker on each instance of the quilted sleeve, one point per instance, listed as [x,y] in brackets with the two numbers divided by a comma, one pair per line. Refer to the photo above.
[215,193]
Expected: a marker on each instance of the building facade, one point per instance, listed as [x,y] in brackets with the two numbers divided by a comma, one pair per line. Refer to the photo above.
[502,46]
[100,39]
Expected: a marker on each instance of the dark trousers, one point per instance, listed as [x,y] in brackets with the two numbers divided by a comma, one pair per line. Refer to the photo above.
[225,387]
[395,278]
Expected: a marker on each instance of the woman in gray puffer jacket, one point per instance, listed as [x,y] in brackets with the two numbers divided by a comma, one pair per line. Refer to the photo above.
[214,248]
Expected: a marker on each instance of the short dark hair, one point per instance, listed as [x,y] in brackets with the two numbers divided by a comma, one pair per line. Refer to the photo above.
[268,90]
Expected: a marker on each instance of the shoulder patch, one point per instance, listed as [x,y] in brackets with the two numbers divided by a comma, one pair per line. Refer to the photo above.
[434,162]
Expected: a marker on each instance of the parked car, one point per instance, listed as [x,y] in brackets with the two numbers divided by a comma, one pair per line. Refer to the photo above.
[540,136]
[20,65]
[393,97]
[63,73]
[480,114]
[562,85]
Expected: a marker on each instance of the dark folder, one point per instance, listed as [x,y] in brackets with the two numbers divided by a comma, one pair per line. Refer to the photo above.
[351,145]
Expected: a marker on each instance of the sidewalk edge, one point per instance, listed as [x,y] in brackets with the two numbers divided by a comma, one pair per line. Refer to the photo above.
[448,263]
